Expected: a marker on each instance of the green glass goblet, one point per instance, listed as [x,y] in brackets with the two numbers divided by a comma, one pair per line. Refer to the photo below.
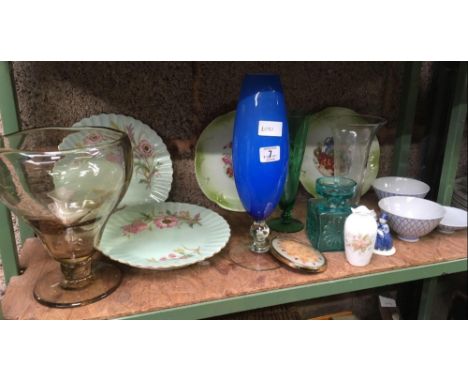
[297,140]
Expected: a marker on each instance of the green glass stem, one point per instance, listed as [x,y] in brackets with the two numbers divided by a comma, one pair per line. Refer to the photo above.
[286,216]
[297,139]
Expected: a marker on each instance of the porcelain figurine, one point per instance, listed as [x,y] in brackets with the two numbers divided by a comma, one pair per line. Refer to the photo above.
[384,242]
[360,232]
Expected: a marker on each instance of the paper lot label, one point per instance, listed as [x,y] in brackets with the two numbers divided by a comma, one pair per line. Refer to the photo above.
[270,128]
[270,154]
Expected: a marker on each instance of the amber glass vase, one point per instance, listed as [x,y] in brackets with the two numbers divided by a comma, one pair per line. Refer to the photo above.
[65,182]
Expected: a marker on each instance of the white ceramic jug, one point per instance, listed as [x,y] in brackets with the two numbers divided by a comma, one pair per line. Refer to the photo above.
[360,232]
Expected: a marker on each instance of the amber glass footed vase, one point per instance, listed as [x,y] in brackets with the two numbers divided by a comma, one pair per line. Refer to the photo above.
[65,182]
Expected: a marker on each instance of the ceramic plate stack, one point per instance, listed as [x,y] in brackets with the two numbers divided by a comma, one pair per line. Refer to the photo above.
[459,198]
[145,231]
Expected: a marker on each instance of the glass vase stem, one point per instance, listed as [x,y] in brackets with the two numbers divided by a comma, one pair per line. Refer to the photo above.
[260,231]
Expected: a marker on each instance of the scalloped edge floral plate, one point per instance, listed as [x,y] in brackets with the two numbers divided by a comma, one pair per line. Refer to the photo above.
[213,163]
[152,165]
[163,236]
[320,125]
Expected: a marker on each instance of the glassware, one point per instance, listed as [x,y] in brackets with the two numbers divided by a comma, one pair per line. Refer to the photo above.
[65,182]
[326,217]
[297,141]
[260,152]
[351,145]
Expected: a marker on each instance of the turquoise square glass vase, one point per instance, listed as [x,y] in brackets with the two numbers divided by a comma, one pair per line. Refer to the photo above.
[326,216]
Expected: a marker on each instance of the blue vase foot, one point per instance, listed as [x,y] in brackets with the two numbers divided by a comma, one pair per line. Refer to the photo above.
[244,257]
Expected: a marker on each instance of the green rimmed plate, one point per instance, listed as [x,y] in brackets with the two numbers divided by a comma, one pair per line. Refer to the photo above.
[317,159]
[213,163]
[163,236]
[152,165]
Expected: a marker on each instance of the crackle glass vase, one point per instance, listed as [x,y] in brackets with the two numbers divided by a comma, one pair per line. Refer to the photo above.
[352,140]
[65,182]
[260,153]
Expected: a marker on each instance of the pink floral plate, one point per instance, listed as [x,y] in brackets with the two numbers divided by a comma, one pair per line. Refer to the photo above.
[164,236]
[152,165]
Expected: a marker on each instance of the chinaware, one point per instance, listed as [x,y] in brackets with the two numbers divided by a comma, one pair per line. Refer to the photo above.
[67,195]
[163,236]
[360,232]
[260,151]
[319,152]
[399,186]
[326,216]
[152,165]
[384,240]
[411,217]
[455,219]
[213,163]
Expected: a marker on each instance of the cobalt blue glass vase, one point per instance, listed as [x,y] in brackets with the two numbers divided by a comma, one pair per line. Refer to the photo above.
[260,151]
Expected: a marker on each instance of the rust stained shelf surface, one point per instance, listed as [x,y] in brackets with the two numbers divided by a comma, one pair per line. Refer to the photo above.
[218,278]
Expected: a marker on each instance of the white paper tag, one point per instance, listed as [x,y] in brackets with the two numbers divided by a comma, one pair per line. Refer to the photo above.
[386,302]
[270,128]
[270,154]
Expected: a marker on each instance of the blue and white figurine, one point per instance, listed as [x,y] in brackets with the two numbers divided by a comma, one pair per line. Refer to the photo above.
[384,242]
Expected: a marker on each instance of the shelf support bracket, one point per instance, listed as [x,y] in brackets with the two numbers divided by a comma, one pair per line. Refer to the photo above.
[454,137]
[427,298]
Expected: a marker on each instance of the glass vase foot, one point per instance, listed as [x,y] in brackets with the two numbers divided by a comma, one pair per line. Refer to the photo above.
[48,290]
[290,226]
[243,256]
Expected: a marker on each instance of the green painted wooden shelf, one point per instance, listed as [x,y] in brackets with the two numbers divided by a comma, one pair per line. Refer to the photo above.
[221,287]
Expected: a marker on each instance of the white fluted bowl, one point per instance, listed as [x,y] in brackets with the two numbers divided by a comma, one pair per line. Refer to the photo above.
[411,217]
[399,186]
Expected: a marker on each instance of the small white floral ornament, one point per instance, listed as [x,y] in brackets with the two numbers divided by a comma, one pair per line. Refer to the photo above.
[360,232]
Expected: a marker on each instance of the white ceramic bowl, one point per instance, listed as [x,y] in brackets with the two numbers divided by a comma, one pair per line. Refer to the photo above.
[454,220]
[411,217]
[398,186]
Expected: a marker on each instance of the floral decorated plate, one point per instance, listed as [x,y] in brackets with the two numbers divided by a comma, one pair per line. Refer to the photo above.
[213,163]
[318,155]
[152,166]
[163,236]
